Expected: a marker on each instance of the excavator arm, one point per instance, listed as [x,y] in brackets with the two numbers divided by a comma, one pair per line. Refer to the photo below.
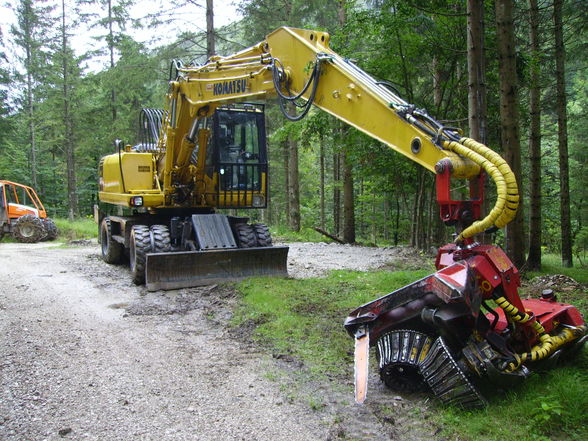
[294,65]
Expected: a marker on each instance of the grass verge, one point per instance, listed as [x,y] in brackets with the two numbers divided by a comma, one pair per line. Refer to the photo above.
[303,318]
[75,230]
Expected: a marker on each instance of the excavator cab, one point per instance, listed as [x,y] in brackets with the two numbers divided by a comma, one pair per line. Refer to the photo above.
[239,156]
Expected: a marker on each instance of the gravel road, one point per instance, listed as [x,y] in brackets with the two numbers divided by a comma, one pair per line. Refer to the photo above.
[86,355]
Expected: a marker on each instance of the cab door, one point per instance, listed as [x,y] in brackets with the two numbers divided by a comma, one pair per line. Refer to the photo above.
[240,157]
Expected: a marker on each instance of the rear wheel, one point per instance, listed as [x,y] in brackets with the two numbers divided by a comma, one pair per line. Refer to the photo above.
[263,235]
[28,229]
[50,229]
[139,247]
[245,236]
[112,251]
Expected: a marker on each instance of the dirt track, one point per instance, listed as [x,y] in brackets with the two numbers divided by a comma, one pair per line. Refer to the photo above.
[86,355]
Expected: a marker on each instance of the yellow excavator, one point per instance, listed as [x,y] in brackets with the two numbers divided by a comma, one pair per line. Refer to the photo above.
[207,151]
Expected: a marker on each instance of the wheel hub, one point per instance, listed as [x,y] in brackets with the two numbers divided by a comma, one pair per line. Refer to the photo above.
[27,230]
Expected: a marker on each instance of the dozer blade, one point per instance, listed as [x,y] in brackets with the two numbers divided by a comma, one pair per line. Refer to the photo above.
[196,268]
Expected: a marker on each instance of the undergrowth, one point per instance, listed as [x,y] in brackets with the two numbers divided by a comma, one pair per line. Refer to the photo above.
[551,264]
[285,234]
[78,229]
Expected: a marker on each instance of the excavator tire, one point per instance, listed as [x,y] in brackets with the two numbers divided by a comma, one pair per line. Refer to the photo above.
[112,251]
[245,236]
[161,238]
[139,247]
[28,229]
[50,229]
[263,235]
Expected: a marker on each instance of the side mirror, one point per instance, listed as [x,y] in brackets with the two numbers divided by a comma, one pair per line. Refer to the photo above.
[118,144]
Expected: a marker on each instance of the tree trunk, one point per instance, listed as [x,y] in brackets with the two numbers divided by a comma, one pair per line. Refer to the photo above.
[562,134]
[534,257]
[438,230]
[336,194]
[509,118]
[397,222]
[437,85]
[385,228]
[294,188]
[266,214]
[348,201]
[210,49]
[476,71]
[477,108]
[286,179]
[32,139]
[373,229]
[111,52]
[28,37]
[68,125]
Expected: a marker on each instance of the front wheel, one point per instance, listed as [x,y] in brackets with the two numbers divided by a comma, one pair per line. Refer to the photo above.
[263,235]
[28,229]
[139,247]
[245,236]
[161,238]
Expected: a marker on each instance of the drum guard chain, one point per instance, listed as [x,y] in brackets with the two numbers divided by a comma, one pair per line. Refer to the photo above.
[447,380]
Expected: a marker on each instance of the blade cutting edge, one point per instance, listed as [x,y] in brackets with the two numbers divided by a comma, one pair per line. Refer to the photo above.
[362,347]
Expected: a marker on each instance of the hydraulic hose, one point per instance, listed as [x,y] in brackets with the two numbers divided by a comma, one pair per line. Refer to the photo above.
[507,196]
[498,178]
[279,77]
[547,343]
[512,191]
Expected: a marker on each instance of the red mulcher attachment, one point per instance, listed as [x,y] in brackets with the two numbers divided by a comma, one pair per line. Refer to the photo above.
[440,331]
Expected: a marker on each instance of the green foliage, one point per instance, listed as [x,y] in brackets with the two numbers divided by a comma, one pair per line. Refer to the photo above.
[83,228]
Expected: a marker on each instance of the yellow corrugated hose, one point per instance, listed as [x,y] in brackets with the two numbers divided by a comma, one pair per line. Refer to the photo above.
[547,343]
[512,191]
[507,196]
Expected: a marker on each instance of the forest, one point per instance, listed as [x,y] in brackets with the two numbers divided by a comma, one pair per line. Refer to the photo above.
[511,74]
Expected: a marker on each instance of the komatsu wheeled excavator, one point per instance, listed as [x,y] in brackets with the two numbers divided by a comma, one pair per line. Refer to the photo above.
[207,151]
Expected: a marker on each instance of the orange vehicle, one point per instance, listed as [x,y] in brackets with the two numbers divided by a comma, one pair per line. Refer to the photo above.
[23,215]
